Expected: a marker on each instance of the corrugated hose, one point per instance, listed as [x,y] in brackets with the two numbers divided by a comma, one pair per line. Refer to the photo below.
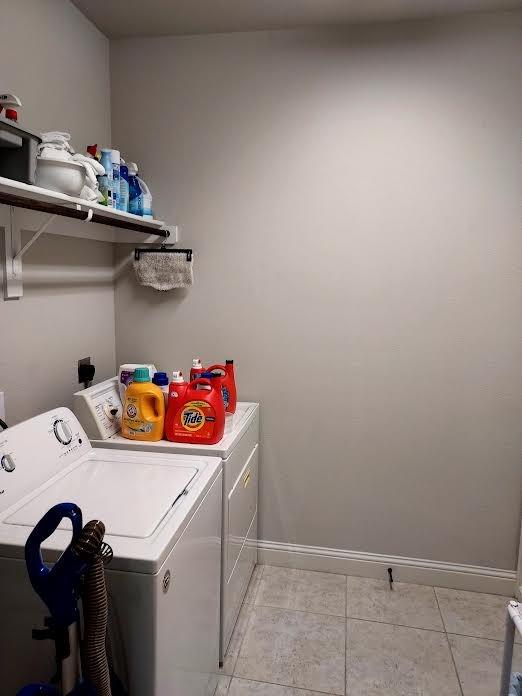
[90,546]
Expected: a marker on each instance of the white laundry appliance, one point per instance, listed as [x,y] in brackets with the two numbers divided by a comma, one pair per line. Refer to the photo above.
[99,410]
[163,522]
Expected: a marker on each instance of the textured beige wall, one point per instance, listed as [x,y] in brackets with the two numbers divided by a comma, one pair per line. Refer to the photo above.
[352,200]
[58,64]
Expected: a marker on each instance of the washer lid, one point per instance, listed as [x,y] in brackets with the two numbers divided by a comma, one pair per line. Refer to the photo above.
[130,497]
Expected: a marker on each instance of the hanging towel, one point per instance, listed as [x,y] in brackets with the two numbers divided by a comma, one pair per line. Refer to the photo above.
[164,270]
[515,685]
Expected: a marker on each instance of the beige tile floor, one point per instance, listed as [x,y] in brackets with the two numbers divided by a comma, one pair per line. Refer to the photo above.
[302,633]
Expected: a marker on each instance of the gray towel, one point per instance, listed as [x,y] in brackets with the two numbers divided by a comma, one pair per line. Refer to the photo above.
[164,270]
[515,685]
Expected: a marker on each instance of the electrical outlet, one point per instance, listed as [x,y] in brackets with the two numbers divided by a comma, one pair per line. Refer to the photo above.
[2,406]
[81,363]
[86,371]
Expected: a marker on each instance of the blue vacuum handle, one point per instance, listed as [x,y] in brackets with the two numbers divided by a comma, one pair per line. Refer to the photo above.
[38,690]
[57,585]
[83,689]
[43,530]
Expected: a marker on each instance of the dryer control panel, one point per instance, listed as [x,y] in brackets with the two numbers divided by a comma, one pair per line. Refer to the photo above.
[99,409]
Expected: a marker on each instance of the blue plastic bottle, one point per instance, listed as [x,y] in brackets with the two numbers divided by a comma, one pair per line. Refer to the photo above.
[161,380]
[123,202]
[135,194]
[115,156]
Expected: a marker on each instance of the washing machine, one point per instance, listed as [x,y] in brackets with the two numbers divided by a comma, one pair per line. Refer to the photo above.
[99,410]
[163,521]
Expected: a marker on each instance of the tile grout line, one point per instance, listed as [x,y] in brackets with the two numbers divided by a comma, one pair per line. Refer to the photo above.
[448,642]
[286,686]
[353,618]
[262,572]
[246,628]
[313,613]
[397,625]
[303,611]
[378,621]
[466,635]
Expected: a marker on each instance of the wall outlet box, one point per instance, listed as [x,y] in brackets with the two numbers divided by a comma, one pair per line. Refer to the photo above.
[2,406]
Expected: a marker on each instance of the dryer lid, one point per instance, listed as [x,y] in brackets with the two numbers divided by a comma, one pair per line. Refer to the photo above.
[130,497]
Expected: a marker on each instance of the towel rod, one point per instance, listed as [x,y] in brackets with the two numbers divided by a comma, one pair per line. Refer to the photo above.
[162,250]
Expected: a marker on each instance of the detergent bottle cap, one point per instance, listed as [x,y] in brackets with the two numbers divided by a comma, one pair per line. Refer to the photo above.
[141,374]
[229,362]
[177,376]
[196,362]
[133,168]
[160,379]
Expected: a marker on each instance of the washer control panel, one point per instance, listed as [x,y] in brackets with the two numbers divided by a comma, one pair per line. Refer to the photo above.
[35,450]
[99,409]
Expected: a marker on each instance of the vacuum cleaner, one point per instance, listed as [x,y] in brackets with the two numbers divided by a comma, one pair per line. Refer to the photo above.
[82,665]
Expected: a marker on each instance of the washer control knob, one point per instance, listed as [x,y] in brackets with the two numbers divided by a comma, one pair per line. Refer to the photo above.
[62,432]
[8,463]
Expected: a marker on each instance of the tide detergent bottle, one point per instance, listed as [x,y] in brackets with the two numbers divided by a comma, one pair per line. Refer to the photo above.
[144,409]
[200,418]
[177,389]
[227,383]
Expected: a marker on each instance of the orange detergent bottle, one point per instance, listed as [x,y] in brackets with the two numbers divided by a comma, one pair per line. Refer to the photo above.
[144,409]
[177,389]
[200,418]
[228,384]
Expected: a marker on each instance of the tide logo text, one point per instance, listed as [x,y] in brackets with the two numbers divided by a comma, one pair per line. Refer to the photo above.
[192,418]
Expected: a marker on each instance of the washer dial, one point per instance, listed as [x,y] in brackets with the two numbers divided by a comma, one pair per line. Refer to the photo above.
[62,432]
[8,463]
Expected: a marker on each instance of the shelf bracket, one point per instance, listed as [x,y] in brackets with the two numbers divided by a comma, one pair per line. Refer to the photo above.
[29,244]
[14,251]
[12,266]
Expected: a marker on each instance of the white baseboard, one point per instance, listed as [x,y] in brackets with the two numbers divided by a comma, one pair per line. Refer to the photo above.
[372,565]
